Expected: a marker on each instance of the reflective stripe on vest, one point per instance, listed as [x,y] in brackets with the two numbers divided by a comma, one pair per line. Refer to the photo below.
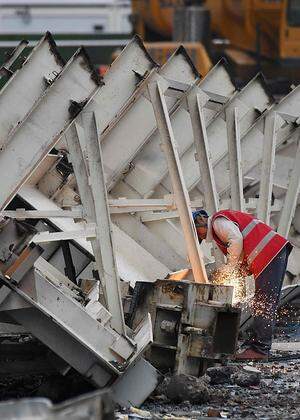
[250,227]
[260,246]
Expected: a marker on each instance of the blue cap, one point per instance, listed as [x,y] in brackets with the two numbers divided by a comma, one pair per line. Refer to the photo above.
[199,213]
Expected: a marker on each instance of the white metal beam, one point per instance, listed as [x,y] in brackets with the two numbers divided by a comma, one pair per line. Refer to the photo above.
[235,159]
[202,152]
[267,169]
[291,198]
[180,193]
[5,67]
[204,160]
[88,175]
[27,84]
[40,130]
[103,223]
[89,232]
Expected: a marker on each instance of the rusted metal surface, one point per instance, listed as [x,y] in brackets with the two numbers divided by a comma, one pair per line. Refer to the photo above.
[192,323]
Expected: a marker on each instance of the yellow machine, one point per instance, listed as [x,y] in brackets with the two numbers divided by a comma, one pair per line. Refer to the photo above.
[153,21]
[253,33]
[270,26]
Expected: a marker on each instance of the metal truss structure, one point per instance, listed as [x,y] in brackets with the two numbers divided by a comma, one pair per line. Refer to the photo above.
[98,179]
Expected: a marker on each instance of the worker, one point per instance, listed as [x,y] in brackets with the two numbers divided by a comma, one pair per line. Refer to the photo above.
[251,247]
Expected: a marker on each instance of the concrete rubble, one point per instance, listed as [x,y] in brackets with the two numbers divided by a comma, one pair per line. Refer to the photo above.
[99,177]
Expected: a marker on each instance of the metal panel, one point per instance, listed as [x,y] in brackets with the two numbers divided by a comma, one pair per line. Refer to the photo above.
[66,346]
[132,389]
[38,133]
[120,82]
[27,84]
[55,304]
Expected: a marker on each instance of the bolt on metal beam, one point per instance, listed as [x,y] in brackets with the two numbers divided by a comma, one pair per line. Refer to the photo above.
[267,168]
[235,159]
[180,192]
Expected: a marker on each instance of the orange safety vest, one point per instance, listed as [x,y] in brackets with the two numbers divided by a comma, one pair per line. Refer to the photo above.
[261,242]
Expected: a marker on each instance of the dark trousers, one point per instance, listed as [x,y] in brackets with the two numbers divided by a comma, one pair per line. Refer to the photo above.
[265,302]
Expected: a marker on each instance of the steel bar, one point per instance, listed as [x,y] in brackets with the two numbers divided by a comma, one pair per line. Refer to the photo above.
[235,159]
[202,152]
[103,223]
[27,85]
[267,169]
[202,155]
[23,214]
[88,233]
[179,189]
[290,202]
[116,206]
[5,68]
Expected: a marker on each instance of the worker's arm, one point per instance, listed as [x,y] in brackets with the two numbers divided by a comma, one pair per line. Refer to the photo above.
[229,234]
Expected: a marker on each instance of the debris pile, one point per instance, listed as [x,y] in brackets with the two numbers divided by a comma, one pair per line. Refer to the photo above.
[269,391]
[100,176]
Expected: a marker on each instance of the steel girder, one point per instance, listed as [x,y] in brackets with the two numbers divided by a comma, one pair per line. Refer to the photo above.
[129,165]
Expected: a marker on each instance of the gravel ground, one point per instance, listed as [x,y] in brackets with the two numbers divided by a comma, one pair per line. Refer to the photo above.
[276,396]
[255,390]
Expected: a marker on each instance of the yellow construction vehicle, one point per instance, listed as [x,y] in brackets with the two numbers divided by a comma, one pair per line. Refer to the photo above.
[153,21]
[252,34]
